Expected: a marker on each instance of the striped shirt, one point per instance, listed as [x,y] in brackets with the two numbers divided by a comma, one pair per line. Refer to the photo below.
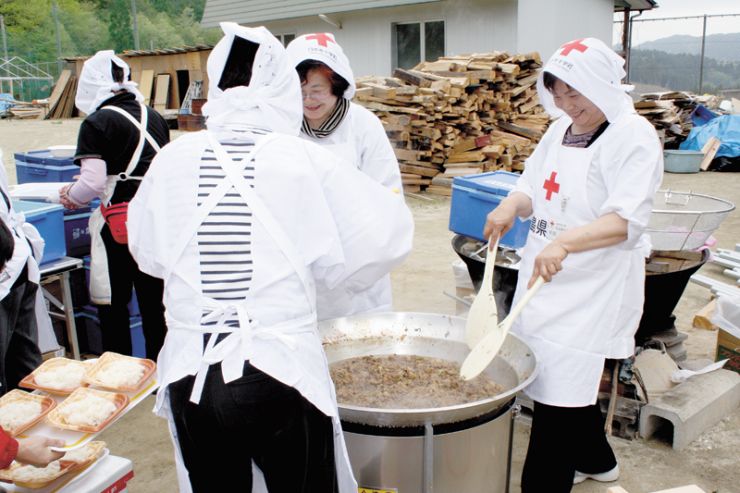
[225,236]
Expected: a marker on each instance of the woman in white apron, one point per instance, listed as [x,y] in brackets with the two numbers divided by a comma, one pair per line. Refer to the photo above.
[116,143]
[243,221]
[351,132]
[588,189]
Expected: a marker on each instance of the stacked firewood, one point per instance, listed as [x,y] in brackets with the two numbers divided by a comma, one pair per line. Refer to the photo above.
[458,115]
[670,113]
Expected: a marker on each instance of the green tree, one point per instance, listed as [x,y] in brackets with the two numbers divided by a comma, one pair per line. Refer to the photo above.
[119,26]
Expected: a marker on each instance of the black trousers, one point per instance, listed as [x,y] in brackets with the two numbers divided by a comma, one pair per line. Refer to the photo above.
[564,440]
[114,318]
[254,417]
[19,350]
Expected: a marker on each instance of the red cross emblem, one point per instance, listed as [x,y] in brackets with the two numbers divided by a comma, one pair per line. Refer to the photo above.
[322,38]
[551,185]
[573,45]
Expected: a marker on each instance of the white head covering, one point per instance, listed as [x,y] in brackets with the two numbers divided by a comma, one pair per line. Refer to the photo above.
[96,82]
[590,67]
[272,99]
[323,48]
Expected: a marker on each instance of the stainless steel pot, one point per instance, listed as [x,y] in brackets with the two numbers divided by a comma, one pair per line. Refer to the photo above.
[423,334]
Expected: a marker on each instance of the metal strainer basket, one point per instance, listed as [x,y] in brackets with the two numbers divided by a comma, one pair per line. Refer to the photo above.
[684,220]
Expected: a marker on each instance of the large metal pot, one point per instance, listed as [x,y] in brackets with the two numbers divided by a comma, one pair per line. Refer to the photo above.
[423,334]
[463,448]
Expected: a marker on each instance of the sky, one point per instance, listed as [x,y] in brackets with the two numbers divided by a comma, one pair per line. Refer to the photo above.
[648,31]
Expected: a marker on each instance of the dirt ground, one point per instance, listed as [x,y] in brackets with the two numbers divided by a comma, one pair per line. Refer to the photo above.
[711,461]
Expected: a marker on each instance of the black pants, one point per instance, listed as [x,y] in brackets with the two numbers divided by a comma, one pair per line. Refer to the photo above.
[114,318]
[19,350]
[565,440]
[254,417]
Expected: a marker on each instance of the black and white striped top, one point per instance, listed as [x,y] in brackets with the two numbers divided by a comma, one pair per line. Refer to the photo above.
[225,236]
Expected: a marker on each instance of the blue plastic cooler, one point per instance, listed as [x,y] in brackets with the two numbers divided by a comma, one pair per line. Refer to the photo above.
[474,196]
[49,220]
[41,166]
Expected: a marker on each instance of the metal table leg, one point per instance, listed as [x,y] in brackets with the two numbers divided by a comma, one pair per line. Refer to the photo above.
[69,316]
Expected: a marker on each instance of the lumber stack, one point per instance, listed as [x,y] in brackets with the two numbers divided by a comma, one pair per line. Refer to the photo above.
[670,113]
[458,115]
[62,98]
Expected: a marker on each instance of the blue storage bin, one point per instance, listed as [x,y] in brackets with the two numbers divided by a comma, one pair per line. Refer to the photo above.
[49,220]
[90,336]
[77,231]
[474,196]
[41,166]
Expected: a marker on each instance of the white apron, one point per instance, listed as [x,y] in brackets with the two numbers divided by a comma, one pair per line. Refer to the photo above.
[299,336]
[100,290]
[574,322]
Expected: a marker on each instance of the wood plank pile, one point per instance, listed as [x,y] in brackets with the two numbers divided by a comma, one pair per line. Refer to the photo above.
[26,110]
[62,99]
[458,115]
[670,113]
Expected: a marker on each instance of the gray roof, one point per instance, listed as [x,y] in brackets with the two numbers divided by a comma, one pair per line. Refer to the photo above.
[620,5]
[251,11]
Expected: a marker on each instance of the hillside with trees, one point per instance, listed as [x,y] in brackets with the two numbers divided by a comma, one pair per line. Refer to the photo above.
[86,26]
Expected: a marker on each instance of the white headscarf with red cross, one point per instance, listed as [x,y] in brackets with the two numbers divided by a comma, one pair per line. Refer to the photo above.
[590,67]
[96,84]
[323,48]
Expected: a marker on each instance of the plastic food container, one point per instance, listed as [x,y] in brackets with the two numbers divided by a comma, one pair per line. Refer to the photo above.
[675,161]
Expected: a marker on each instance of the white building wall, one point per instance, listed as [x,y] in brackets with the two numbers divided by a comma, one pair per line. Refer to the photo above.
[545,25]
[470,26]
[516,26]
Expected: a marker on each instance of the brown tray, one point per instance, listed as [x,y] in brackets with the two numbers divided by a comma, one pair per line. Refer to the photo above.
[55,418]
[7,475]
[29,382]
[47,404]
[91,376]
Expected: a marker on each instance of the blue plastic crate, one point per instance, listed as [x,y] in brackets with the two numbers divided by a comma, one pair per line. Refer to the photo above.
[474,196]
[90,336]
[77,230]
[49,220]
[41,166]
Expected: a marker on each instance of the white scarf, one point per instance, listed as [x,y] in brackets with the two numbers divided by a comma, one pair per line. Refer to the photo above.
[271,101]
[323,48]
[96,83]
[590,67]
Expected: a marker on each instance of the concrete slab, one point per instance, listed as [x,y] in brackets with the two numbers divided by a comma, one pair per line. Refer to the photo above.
[691,407]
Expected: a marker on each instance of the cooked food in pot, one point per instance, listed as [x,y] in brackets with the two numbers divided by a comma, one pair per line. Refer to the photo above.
[406,382]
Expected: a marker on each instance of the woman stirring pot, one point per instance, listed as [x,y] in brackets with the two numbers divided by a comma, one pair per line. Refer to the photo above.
[588,189]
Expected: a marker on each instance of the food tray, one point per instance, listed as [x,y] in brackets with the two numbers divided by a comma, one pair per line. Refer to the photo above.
[92,375]
[69,470]
[57,419]
[74,439]
[47,404]
[684,220]
[29,382]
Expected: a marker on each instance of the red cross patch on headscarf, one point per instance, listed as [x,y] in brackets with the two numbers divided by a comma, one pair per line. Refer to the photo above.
[322,38]
[573,45]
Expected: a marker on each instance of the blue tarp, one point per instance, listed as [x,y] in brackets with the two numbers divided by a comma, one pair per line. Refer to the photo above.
[6,101]
[702,115]
[726,128]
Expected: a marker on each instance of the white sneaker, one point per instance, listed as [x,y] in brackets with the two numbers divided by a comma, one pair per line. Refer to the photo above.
[604,477]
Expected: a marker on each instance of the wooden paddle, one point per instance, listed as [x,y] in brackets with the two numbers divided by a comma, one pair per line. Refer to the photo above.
[483,313]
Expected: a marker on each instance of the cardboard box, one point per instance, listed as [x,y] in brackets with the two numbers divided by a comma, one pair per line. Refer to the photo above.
[728,346]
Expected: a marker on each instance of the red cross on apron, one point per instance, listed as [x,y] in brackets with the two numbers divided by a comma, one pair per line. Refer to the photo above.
[322,38]
[551,185]
[573,45]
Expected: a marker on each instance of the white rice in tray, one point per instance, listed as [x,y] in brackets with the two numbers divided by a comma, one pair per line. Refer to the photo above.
[61,377]
[120,372]
[30,473]
[78,455]
[90,411]
[18,413]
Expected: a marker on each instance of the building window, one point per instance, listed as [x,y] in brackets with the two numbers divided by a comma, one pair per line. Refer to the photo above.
[413,42]
[285,38]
